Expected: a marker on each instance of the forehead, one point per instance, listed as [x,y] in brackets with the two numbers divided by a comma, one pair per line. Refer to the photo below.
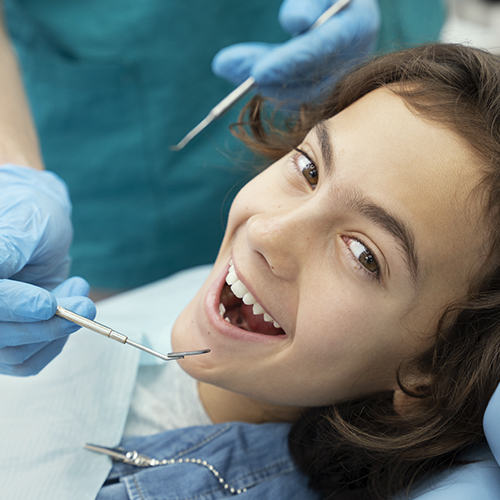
[415,168]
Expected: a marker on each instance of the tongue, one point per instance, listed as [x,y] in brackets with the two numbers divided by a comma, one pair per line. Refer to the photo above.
[255,323]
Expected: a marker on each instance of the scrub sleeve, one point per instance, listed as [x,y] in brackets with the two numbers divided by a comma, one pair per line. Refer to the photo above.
[113,83]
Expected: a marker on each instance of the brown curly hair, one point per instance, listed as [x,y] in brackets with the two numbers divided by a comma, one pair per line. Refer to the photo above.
[365,448]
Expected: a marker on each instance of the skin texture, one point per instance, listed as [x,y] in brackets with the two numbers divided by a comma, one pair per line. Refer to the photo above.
[297,249]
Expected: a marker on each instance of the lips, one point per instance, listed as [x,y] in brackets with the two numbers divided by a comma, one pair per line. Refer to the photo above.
[240,308]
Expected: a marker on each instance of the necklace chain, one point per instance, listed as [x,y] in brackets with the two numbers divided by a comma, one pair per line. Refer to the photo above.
[136,459]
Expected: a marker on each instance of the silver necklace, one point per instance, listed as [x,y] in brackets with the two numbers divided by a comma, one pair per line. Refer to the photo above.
[140,460]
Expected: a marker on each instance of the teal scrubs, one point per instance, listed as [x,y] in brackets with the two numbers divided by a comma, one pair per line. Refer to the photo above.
[112,84]
[406,23]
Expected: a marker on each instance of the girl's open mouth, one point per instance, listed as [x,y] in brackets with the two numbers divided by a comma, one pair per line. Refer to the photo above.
[240,308]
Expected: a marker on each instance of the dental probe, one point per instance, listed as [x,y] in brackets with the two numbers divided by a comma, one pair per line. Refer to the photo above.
[110,333]
[247,85]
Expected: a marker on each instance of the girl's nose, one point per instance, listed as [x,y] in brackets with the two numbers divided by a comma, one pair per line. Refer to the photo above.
[282,237]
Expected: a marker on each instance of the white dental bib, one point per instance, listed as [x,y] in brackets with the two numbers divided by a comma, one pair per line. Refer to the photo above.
[83,396]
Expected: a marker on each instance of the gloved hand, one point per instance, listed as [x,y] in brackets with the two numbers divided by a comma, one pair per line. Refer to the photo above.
[301,68]
[30,335]
[35,235]
[35,226]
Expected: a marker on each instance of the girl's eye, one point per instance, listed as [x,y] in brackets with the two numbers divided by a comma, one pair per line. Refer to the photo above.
[364,255]
[307,167]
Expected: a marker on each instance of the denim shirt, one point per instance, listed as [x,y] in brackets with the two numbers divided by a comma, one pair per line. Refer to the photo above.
[249,461]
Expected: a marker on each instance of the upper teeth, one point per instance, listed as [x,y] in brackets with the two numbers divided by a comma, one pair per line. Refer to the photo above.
[241,291]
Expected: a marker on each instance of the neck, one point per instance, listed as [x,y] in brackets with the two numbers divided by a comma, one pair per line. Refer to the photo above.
[226,406]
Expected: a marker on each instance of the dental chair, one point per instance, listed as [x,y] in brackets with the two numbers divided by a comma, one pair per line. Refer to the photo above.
[475,481]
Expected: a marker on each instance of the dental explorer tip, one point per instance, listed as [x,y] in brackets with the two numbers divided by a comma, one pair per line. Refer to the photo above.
[188,353]
[193,133]
[177,147]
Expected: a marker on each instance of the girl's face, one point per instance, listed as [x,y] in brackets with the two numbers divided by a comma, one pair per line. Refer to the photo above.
[353,244]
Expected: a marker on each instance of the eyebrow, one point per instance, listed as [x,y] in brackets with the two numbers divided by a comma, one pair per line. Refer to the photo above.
[325,145]
[389,223]
[355,200]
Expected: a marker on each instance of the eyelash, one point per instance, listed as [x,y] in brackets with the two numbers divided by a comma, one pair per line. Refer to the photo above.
[372,275]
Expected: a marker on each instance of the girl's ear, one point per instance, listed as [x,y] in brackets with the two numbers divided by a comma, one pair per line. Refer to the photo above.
[408,399]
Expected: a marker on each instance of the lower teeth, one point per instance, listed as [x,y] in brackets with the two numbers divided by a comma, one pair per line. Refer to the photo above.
[222,310]
[229,296]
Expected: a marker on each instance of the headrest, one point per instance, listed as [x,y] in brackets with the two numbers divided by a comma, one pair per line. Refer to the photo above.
[491,424]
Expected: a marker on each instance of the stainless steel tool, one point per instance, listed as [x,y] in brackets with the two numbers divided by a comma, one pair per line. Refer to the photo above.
[119,337]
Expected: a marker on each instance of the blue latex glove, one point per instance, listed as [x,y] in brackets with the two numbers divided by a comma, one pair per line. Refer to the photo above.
[35,226]
[301,68]
[35,235]
[30,335]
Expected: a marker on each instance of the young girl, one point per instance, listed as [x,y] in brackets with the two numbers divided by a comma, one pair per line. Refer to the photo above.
[355,295]
[364,272]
